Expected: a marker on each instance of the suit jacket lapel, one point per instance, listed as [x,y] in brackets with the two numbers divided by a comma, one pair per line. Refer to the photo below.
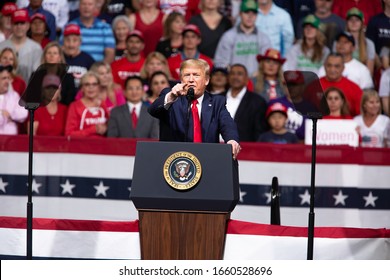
[243,105]
[127,116]
[207,112]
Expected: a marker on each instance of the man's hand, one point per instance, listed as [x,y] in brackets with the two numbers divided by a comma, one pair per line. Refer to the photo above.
[236,148]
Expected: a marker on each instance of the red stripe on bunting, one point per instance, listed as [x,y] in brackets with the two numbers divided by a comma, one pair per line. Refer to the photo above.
[239,227]
[71,225]
[297,153]
[234,227]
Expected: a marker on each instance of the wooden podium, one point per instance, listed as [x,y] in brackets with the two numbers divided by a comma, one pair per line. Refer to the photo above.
[184,220]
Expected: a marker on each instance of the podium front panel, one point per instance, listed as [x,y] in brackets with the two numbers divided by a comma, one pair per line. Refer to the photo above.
[216,190]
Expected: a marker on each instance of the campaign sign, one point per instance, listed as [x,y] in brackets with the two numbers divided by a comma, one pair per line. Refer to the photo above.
[332,132]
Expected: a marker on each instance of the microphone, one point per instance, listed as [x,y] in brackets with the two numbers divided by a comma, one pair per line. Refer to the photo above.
[190,94]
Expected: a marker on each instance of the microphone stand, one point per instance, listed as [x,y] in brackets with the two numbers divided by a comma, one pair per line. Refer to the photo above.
[310,239]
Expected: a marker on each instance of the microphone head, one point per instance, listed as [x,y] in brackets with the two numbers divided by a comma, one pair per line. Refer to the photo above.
[190,94]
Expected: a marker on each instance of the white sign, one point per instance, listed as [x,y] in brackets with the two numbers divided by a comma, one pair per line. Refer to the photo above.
[332,132]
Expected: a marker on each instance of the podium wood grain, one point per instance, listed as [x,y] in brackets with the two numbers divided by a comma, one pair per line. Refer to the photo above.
[168,235]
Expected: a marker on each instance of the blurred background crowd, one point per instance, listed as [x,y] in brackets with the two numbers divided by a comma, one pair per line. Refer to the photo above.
[121,54]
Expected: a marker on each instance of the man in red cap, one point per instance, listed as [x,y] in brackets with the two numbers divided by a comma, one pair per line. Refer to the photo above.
[191,41]
[79,61]
[132,63]
[29,52]
[5,20]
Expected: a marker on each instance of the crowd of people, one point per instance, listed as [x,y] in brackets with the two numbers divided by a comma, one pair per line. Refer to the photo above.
[122,54]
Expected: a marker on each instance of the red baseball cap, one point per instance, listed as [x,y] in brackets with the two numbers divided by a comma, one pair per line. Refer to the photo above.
[72,29]
[193,28]
[8,9]
[136,33]
[276,107]
[20,16]
[38,16]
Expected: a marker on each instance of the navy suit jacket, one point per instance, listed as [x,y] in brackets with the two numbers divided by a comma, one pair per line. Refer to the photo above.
[174,121]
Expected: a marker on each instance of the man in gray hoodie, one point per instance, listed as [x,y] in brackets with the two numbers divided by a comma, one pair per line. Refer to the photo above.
[241,44]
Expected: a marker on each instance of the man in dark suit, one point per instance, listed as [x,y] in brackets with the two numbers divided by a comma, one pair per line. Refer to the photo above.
[176,115]
[246,107]
[131,120]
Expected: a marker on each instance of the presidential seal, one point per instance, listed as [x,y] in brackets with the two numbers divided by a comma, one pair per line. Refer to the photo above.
[182,170]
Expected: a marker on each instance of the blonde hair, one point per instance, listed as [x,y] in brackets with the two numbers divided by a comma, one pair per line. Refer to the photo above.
[87,75]
[260,77]
[15,65]
[53,45]
[198,63]
[361,42]
[145,75]
[318,47]
[367,94]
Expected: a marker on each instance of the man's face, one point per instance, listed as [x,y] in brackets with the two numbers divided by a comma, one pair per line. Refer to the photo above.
[334,67]
[72,45]
[195,77]
[191,40]
[248,19]
[134,91]
[323,6]
[5,79]
[36,3]
[238,78]
[87,8]
[19,29]
[134,45]
[344,46]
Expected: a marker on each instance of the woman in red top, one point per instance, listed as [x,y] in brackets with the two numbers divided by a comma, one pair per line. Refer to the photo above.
[50,120]
[337,103]
[88,115]
[8,57]
[149,20]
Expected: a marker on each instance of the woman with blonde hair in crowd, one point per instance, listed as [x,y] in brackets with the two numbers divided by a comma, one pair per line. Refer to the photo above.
[8,57]
[309,53]
[109,92]
[53,53]
[373,127]
[268,81]
[87,116]
[337,103]
[364,47]
[121,27]
[172,39]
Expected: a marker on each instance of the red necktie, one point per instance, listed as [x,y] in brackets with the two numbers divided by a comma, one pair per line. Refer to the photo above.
[272,90]
[196,121]
[134,117]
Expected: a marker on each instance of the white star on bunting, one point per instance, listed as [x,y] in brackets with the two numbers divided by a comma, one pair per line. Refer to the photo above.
[35,186]
[305,198]
[268,196]
[101,189]
[370,199]
[340,198]
[242,194]
[3,185]
[67,187]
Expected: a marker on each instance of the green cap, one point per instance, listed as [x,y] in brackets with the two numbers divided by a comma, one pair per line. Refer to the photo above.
[312,20]
[249,5]
[355,12]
